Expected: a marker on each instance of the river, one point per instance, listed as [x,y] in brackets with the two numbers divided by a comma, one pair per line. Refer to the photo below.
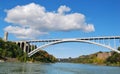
[55,68]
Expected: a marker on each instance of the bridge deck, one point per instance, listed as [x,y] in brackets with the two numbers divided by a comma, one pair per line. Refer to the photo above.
[87,38]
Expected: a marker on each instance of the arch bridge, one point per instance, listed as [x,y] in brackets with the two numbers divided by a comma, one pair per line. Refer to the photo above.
[109,42]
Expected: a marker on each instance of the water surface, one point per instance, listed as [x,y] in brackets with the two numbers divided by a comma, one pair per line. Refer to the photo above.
[56,68]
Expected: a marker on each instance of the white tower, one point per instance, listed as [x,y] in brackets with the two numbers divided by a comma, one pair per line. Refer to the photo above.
[5,36]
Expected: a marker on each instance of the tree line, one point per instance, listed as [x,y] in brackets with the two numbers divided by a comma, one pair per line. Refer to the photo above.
[113,60]
[11,50]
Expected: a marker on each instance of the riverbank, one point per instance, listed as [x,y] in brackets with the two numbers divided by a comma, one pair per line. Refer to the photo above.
[99,58]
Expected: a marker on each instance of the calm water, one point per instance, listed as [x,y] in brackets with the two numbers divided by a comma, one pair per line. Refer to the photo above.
[57,68]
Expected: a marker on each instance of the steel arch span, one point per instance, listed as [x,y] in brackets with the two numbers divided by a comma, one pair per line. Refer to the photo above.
[69,40]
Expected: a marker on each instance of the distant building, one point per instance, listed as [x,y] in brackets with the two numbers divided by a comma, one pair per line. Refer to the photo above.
[5,36]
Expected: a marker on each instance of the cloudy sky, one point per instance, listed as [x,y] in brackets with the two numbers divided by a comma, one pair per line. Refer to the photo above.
[49,19]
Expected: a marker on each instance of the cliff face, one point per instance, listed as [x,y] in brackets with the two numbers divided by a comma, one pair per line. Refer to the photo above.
[104,55]
[98,55]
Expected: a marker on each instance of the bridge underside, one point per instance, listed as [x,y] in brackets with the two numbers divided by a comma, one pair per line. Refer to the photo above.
[70,40]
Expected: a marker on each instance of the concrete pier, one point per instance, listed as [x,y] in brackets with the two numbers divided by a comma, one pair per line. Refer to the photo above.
[26,47]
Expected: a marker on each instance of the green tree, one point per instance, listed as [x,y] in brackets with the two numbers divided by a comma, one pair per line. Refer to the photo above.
[43,56]
[115,58]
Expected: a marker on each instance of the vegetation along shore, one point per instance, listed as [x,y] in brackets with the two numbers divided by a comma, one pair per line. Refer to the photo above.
[10,52]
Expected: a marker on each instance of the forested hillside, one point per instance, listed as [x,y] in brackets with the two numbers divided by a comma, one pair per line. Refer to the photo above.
[101,58]
[9,51]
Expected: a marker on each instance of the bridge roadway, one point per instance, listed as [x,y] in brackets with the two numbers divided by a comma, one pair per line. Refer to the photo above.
[86,38]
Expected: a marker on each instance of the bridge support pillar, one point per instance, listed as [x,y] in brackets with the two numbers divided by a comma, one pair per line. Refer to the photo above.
[26,47]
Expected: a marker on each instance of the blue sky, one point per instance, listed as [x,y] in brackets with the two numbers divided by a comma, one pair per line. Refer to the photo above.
[101,18]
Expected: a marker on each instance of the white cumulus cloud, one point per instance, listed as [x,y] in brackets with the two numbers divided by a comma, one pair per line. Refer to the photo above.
[32,20]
